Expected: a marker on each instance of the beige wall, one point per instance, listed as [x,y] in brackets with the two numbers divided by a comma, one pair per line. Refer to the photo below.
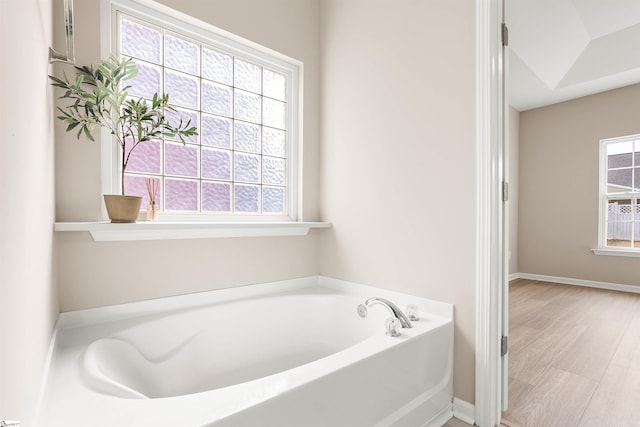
[513,179]
[398,154]
[28,305]
[558,212]
[98,274]
[95,274]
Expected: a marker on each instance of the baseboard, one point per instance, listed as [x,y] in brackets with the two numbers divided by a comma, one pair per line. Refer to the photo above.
[464,411]
[577,282]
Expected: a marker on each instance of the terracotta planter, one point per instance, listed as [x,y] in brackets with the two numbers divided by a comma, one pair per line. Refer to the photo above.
[122,208]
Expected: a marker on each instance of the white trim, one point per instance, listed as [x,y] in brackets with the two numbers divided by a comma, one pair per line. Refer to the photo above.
[617,252]
[297,185]
[604,196]
[109,176]
[505,207]
[152,9]
[157,230]
[207,34]
[581,282]
[464,411]
[602,190]
[489,246]
[514,276]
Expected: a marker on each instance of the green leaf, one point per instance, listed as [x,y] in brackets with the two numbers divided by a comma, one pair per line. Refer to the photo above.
[97,98]
[87,133]
[72,126]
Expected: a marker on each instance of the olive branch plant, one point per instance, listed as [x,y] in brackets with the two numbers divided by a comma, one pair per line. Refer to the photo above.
[99,99]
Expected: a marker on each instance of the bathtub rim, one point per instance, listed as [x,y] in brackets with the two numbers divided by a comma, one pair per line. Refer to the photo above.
[97,315]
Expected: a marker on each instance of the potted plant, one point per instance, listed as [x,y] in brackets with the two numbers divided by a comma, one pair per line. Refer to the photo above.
[99,99]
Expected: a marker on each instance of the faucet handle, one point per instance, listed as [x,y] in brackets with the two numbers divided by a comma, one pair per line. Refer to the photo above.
[412,312]
[393,326]
[362,310]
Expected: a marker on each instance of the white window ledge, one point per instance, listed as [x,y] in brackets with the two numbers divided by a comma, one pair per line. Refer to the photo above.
[107,232]
[617,252]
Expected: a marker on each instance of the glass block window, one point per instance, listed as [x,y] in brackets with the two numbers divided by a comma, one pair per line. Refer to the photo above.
[241,161]
[620,193]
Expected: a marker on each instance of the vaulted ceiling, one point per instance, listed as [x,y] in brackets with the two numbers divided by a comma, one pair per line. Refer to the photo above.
[565,49]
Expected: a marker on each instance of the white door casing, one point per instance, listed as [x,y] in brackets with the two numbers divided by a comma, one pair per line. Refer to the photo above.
[490,220]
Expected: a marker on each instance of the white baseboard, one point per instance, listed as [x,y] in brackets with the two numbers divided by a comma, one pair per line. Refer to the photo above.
[577,282]
[464,411]
[514,276]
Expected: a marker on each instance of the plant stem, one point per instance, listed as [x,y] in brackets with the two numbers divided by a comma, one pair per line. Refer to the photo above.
[123,146]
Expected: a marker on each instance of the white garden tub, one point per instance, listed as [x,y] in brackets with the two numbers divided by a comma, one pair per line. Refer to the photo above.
[285,354]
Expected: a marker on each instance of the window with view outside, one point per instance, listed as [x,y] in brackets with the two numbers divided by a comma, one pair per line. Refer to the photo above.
[621,192]
[238,164]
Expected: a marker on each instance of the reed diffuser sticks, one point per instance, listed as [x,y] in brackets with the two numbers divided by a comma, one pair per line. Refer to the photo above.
[152,190]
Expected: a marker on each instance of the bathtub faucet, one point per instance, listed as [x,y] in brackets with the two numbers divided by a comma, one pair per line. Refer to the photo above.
[395,311]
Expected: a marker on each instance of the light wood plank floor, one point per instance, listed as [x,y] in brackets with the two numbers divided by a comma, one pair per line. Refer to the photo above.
[574,356]
[454,422]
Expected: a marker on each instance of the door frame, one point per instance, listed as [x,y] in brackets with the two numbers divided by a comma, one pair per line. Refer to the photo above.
[490,110]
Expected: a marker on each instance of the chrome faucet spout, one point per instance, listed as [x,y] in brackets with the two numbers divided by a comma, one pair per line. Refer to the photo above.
[393,309]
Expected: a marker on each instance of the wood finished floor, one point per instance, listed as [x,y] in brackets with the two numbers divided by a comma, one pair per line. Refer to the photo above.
[574,356]
[454,422]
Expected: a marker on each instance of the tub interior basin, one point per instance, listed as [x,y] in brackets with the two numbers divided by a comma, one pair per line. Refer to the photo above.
[170,357]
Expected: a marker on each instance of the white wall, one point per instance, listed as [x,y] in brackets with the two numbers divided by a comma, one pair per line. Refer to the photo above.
[398,154]
[95,274]
[28,305]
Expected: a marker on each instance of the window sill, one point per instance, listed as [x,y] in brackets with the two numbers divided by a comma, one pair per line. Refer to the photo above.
[617,252]
[108,232]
